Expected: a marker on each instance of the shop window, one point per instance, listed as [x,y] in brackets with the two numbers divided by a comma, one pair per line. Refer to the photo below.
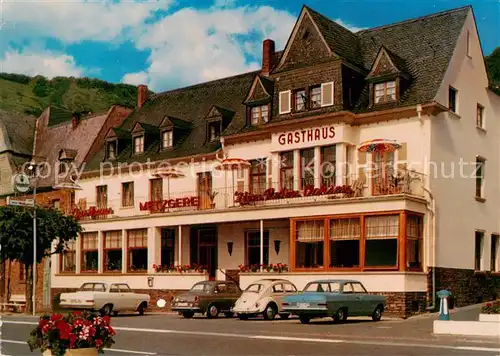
[253,248]
[414,241]
[345,235]
[328,165]
[381,246]
[258,176]
[494,253]
[90,252]
[102,196]
[307,167]
[309,243]
[113,251]
[478,250]
[128,194]
[286,170]
[137,243]
[68,257]
[167,247]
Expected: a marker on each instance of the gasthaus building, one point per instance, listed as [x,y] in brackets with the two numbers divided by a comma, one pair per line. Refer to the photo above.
[335,160]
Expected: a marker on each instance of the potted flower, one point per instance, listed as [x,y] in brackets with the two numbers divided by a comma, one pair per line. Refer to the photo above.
[78,333]
[490,312]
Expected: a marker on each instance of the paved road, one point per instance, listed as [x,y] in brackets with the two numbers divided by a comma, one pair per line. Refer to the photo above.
[172,335]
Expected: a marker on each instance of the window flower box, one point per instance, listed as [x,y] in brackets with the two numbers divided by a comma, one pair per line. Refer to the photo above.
[180,269]
[490,312]
[272,268]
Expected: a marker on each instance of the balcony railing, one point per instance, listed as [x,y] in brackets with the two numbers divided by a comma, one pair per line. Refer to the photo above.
[370,183]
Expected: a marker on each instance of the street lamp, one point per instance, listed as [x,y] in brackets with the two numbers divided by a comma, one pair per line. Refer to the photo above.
[33,169]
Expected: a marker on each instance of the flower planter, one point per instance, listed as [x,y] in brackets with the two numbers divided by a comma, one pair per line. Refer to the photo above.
[91,351]
[495,318]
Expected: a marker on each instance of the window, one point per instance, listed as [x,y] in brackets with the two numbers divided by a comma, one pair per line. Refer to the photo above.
[452,99]
[348,289]
[286,170]
[309,243]
[62,167]
[478,250]
[137,243]
[128,194]
[214,131]
[358,288]
[414,241]
[315,97]
[90,252]
[253,248]
[383,173]
[167,139]
[113,251]
[468,44]
[22,273]
[167,247]
[258,176]
[56,204]
[385,92]
[68,257]
[328,165]
[345,236]
[289,287]
[494,265]
[111,150]
[381,246]
[300,100]
[260,114]
[102,196]
[114,288]
[480,116]
[124,288]
[480,162]
[278,288]
[156,189]
[138,144]
[307,167]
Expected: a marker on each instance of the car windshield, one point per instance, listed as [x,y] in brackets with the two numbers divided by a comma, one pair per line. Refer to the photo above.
[201,287]
[333,287]
[255,288]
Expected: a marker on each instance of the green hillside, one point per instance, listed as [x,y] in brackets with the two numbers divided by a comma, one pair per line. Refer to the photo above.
[31,95]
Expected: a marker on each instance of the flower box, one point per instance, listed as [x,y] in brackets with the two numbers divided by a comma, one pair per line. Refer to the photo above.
[88,351]
[495,318]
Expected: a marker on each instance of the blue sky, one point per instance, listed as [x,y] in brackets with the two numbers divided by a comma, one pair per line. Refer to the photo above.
[172,43]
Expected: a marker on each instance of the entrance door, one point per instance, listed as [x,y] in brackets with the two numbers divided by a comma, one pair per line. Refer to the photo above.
[207,249]
[205,190]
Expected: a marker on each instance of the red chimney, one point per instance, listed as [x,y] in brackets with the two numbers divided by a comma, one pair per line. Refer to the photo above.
[267,56]
[142,95]
[75,120]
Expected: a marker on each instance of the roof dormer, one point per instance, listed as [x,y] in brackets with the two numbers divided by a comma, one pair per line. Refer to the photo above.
[258,101]
[172,131]
[217,120]
[116,140]
[65,158]
[143,136]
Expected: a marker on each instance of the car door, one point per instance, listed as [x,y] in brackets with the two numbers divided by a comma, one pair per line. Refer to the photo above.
[115,297]
[349,299]
[233,294]
[128,297]
[363,298]
[277,292]
[222,297]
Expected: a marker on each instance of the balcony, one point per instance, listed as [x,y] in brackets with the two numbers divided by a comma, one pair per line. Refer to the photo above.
[373,183]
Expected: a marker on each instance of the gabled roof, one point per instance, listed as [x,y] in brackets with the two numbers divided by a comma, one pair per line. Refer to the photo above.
[262,89]
[118,133]
[58,115]
[170,121]
[146,128]
[392,63]
[17,133]
[67,153]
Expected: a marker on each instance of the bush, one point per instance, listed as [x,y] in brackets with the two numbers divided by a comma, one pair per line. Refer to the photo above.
[16,78]
[491,308]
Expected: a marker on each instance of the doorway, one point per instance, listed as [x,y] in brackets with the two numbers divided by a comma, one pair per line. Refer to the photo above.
[204,248]
[205,190]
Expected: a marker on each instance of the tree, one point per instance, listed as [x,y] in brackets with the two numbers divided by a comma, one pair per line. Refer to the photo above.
[493,67]
[16,238]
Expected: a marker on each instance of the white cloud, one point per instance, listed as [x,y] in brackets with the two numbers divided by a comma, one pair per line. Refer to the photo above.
[348,26]
[35,62]
[75,20]
[136,78]
[192,46]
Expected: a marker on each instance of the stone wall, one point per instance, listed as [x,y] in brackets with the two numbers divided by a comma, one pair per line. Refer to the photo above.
[18,283]
[467,286]
[404,304]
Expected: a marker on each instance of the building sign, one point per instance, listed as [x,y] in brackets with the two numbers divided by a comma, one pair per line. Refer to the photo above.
[246,198]
[310,137]
[161,205]
[92,212]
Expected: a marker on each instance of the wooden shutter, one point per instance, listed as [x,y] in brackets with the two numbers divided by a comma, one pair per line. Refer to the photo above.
[402,156]
[327,93]
[361,166]
[269,168]
[240,180]
[285,102]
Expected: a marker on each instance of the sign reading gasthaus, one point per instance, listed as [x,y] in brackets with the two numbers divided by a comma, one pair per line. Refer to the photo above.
[310,137]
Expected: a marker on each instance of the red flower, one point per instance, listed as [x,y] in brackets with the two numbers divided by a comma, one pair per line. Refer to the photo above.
[488,305]
[56,317]
[42,323]
[106,319]
[77,313]
[154,266]
[98,343]
[64,329]
[72,341]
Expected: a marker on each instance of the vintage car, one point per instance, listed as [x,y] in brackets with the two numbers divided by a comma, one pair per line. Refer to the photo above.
[264,297]
[210,297]
[335,298]
[107,297]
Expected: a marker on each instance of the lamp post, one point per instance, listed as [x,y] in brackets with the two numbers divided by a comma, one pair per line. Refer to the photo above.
[34,171]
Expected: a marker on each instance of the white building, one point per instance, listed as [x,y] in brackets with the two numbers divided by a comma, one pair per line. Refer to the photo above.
[302,187]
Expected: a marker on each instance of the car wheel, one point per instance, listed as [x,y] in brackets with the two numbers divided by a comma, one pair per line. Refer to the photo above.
[284,316]
[377,313]
[141,309]
[340,315]
[270,312]
[188,314]
[107,310]
[229,314]
[304,319]
[212,311]
[243,316]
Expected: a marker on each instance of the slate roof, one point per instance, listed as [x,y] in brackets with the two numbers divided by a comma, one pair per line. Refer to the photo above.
[191,104]
[18,133]
[59,115]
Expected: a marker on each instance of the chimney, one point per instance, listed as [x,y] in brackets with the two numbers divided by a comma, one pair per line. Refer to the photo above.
[267,56]
[76,120]
[142,95]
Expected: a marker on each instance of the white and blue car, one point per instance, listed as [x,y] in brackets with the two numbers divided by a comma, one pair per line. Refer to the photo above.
[334,298]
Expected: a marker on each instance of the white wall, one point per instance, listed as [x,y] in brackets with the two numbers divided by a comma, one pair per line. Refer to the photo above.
[456,137]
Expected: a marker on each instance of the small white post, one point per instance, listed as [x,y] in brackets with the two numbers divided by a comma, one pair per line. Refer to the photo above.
[180,245]
[261,244]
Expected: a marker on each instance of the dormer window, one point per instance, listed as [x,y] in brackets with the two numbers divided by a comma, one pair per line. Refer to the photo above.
[138,144]
[300,100]
[62,167]
[385,92]
[214,131]
[111,150]
[260,115]
[167,139]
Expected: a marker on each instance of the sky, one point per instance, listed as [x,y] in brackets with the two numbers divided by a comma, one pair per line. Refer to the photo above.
[168,44]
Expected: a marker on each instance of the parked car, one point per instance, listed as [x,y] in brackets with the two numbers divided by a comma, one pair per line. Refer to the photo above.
[335,298]
[264,297]
[210,298]
[106,297]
